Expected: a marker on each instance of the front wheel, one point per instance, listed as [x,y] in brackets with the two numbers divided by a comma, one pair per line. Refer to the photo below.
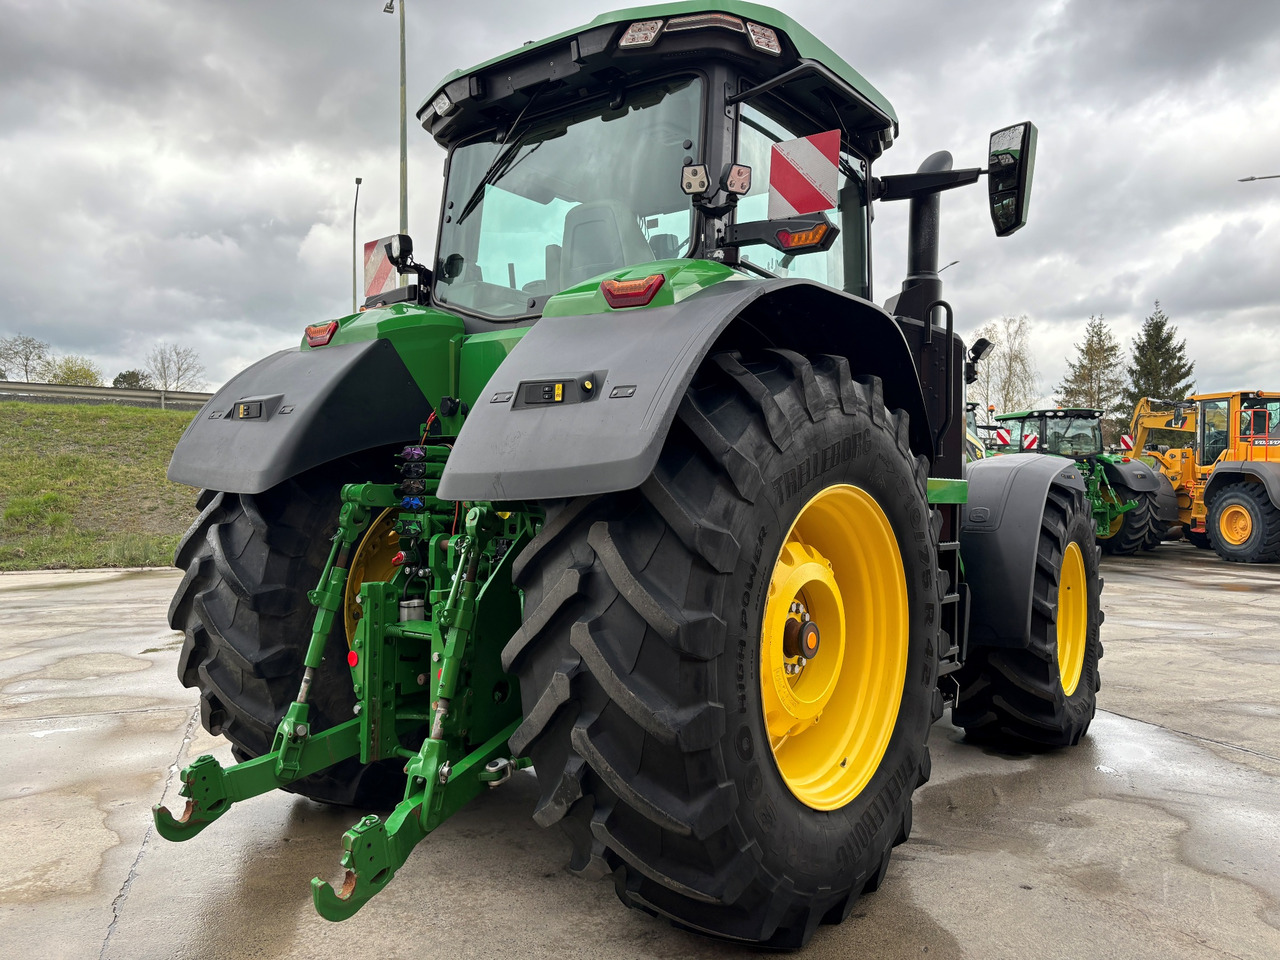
[729,673]
[1244,525]
[1044,694]
[1133,529]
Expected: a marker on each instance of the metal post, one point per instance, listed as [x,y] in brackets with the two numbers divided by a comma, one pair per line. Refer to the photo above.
[404,148]
[355,262]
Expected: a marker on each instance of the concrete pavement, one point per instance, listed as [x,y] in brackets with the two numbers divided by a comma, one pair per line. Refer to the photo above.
[1159,837]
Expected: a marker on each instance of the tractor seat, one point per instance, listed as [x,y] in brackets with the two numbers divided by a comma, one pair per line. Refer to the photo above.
[599,237]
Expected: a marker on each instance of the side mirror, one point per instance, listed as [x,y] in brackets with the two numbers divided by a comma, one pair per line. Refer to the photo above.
[1010,163]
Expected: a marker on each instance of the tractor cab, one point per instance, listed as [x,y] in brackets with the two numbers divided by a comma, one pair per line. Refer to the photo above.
[1075,433]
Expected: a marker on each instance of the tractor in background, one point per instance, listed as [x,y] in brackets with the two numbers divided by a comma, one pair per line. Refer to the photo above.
[1124,493]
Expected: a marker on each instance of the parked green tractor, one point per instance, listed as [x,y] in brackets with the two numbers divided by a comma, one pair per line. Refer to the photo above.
[1123,492]
[638,486]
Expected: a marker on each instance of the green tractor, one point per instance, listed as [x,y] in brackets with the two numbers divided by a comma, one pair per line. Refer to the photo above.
[1125,494]
[637,485]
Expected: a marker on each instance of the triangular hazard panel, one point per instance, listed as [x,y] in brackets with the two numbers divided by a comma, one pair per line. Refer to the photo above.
[804,175]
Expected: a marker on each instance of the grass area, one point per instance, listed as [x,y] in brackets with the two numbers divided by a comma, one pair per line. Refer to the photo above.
[84,485]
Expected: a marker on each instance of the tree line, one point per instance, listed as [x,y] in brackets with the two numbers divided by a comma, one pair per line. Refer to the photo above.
[167,367]
[1100,376]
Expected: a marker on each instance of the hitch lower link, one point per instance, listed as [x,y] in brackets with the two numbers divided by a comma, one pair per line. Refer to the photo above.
[442,775]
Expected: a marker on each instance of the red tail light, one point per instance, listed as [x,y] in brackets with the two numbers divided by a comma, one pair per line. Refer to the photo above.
[631,293]
[318,334]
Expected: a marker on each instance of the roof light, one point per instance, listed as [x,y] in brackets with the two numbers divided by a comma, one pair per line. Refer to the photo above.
[695,179]
[631,293]
[736,178]
[698,21]
[641,34]
[764,39]
[802,238]
[442,104]
[319,334]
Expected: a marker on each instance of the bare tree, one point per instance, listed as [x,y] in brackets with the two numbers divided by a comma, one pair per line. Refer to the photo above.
[172,367]
[22,355]
[1007,378]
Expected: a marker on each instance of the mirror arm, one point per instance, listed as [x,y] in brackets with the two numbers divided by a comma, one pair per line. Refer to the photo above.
[907,186]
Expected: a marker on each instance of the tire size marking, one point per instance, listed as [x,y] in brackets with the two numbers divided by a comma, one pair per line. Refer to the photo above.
[873,818]
[819,462]
[742,672]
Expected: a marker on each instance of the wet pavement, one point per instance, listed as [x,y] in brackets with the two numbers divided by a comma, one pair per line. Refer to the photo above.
[1159,837]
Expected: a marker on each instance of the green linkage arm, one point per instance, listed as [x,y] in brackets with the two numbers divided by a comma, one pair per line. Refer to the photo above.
[211,790]
[372,851]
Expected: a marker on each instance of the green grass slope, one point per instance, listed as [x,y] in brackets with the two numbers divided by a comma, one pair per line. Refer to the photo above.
[84,486]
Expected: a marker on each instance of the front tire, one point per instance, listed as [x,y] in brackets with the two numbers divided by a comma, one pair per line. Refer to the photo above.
[1134,528]
[650,650]
[1044,694]
[1244,525]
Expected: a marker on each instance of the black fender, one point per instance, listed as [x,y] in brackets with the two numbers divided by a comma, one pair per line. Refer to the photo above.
[1134,475]
[516,446]
[297,409]
[999,537]
[1227,472]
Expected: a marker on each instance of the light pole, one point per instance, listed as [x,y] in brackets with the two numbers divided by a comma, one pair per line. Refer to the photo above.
[355,263]
[951,264]
[1269,176]
[404,148]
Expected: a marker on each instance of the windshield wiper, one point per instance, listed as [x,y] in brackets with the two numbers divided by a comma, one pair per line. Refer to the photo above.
[502,160]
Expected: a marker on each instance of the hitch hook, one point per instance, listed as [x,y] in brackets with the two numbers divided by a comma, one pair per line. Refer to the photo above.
[204,785]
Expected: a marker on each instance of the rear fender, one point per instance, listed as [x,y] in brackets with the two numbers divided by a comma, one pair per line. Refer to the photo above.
[639,362]
[1134,475]
[295,410]
[1228,472]
[999,537]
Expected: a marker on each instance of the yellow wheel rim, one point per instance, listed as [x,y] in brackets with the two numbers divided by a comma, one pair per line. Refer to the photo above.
[1117,521]
[1073,618]
[371,562]
[1235,524]
[830,718]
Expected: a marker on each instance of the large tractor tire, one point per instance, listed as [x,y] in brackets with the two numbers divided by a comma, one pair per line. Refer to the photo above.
[1131,530]
[674,734]
[1164,520]
[242,605]
[1045,694]
[1244,525]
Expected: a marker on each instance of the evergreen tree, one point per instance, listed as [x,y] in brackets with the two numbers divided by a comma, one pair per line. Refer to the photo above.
[1095,378]
[134,380]
[1160,368]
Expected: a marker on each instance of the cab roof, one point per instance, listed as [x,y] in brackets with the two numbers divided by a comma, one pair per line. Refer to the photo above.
[1079,413]
[580,60]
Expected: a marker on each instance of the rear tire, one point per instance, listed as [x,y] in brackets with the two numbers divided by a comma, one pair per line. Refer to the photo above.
[1137,526]
[250,560]
[1244,525]
[1046,694]
[640,658]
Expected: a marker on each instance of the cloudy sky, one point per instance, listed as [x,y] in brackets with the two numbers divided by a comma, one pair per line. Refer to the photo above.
[184,171]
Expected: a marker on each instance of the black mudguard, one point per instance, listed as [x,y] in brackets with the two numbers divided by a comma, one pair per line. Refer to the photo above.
[1228,472]
[515,446]
[1134,475]
[999,537]
[297,409]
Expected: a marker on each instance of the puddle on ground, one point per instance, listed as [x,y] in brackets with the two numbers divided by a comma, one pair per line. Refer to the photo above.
[64,838]
[85,666]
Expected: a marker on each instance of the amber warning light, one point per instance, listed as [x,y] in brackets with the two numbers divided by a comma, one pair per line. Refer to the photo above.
[631,293]
[802,238]
[318,334]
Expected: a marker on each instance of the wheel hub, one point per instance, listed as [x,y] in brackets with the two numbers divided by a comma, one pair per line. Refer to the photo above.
[1235,525]
[834,647]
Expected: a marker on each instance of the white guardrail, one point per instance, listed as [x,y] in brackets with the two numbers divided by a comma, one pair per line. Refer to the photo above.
[13,390]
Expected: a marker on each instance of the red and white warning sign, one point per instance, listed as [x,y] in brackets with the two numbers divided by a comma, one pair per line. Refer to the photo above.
[379,275]
[1003,438]
[1126,441]
[1030,441]
[804,175]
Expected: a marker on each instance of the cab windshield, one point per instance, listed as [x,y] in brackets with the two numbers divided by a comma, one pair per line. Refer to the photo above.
[567,199]
[1073,436]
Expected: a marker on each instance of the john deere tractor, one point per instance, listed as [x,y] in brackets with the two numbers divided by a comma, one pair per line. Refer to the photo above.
[1124,493]
[638,486]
